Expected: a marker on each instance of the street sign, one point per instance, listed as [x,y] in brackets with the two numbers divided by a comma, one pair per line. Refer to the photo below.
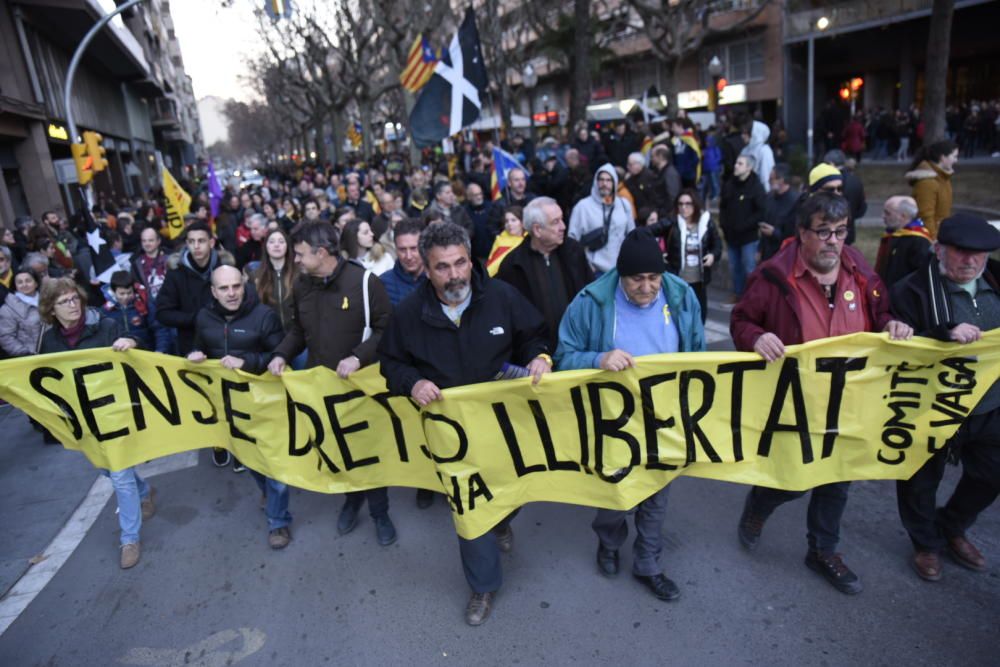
[65,171]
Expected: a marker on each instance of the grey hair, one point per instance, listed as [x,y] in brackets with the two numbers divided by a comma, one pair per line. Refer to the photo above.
[317,235]
[830,206]
[6,253]
[638,157]
[534,212]
[442,235]
[907,206]
[750,158]
[33,258]
[259,217]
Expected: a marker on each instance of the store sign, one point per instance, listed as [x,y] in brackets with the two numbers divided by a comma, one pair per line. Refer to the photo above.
[693,99]
[58,132]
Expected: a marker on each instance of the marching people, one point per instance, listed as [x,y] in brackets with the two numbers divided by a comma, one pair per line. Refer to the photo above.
[549,269]
[814,287]
[20,322]
[510,237]
[954,296]
[906,242]
[636,309]
[443,336]
[742,207]
[601,221]
[930,177]
[73,326]
[149,269]
[332,320]
[357,241]
[241,332]
[779,221]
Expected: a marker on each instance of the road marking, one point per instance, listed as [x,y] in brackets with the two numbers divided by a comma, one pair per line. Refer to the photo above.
[204,653]
[716,331]
[72,533]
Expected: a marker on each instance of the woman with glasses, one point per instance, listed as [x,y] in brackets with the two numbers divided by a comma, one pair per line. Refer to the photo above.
[73,326]
[693,244]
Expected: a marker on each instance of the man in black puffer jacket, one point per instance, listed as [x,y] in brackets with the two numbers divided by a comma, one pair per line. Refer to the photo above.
[241,332]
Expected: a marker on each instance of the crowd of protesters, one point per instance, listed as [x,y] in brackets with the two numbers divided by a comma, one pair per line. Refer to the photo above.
[597,251]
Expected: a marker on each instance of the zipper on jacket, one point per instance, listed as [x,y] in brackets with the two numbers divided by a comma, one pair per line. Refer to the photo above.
[225,338]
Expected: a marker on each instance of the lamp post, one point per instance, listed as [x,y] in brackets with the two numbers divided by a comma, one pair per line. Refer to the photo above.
[545,105]
[822,24]
[714,72]
[530,79]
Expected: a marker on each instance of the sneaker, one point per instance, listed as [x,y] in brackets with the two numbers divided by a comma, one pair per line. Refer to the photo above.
[148,506]
[279,537]
[425,498]
[130,555]
[220,457]
[751,525]
[505,539]
[237,466]
[479,607]
[385,532]
[834,570]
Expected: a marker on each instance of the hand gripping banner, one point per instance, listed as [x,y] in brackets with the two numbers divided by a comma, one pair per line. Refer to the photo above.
[849,408]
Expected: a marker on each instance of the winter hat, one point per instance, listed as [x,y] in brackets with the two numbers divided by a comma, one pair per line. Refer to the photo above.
[822,174]
[640,253]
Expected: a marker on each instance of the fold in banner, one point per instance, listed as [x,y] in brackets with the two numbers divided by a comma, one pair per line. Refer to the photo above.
[178,204]
[850,408]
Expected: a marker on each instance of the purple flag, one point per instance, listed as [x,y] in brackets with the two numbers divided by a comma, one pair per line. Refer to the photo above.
[214,190]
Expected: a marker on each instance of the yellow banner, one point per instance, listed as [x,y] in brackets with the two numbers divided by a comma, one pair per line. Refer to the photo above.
[178,205]
[857,407]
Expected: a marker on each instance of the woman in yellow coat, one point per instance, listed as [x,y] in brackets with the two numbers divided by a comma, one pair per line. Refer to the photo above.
[930,176]
[511,237]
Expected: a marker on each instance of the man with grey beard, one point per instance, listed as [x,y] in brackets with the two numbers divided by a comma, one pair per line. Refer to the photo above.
[460,328]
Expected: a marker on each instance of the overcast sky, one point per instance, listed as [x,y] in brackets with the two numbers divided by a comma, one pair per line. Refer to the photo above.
[215,44]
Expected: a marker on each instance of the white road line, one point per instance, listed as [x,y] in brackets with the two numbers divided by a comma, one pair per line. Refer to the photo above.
[72,533]
[716,331]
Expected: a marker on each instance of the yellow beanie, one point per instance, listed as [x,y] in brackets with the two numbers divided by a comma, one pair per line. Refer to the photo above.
[822,173]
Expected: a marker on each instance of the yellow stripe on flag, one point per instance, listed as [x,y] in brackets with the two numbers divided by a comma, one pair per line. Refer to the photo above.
[178,205]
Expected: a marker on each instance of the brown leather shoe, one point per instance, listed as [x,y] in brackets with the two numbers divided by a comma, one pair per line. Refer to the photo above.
[130,555]
[966,554]
[148,506]
[927,565]
[479,607]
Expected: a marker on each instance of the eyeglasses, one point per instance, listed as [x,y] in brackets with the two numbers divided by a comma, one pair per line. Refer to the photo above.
[68,301]
[825,233]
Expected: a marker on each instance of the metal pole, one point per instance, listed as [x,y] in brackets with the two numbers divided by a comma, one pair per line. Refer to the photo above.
[810,92]
[71,73]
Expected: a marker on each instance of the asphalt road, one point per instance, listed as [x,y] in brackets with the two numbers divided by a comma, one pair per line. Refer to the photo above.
[208,591]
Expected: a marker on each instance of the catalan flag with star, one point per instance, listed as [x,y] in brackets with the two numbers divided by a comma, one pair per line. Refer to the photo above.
[420,65]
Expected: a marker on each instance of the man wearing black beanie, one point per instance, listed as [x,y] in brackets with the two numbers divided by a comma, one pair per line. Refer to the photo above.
[635,309]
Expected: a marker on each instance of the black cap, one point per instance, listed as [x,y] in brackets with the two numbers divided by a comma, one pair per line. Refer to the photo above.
[640,253]
[969,232]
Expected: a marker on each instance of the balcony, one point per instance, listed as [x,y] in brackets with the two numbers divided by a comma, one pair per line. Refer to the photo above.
[851,15]
[164,115]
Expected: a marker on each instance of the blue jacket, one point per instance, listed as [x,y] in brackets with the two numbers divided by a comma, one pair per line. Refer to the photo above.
[587,329]
[398,283]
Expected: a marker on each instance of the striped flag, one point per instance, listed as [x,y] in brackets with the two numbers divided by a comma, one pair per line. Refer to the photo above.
[420,65]
[503,162]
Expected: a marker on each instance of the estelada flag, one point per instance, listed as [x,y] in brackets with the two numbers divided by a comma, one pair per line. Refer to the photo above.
[419,65]
[178,205]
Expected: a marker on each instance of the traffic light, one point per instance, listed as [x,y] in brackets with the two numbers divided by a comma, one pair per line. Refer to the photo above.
[845,93]
[84,163]
[856,84]
[95,150]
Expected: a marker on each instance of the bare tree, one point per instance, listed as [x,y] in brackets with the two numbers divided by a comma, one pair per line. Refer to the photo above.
[938,51]
[677,29]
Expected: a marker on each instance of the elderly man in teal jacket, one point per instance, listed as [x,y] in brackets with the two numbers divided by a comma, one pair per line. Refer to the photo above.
[633,310]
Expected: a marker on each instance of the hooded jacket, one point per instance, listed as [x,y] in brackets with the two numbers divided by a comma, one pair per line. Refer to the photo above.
[932,190]
[589,214]
[770,303]
[20,327]
[761,153]
[588,329]
[499,326]
[250,333]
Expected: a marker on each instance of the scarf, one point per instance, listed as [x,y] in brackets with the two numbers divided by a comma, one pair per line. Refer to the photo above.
[73,334]
[913,228]
[30,300]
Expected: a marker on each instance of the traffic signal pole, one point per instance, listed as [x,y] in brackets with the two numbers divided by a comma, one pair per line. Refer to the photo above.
[85,191]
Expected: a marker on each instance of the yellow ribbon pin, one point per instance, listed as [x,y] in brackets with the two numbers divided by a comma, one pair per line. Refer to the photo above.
[666,314]
[344,305]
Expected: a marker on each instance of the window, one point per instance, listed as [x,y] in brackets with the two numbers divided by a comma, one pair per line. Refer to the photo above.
[741,62]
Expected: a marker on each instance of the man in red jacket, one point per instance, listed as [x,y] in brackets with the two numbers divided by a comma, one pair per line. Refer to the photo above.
[814,287]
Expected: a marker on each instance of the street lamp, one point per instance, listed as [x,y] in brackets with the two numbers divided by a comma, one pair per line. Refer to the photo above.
[545,105]
[822,24]
[530,79]
[714,72]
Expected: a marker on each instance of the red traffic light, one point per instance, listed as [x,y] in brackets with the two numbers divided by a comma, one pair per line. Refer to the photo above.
[721,84]
[845,93]
[856,83]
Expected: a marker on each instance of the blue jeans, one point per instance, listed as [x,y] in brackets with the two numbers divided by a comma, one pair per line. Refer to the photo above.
[709,186]
[742,261]
[276,508]
[130,490]
[163,337]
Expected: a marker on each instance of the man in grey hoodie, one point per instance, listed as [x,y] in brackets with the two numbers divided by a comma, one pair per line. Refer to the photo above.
[603,209]
[756,136]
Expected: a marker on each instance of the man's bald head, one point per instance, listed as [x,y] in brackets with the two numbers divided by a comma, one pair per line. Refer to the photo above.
[227,287]
[898,211]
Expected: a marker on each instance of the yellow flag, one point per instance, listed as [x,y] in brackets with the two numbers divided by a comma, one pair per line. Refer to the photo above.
[178,205]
